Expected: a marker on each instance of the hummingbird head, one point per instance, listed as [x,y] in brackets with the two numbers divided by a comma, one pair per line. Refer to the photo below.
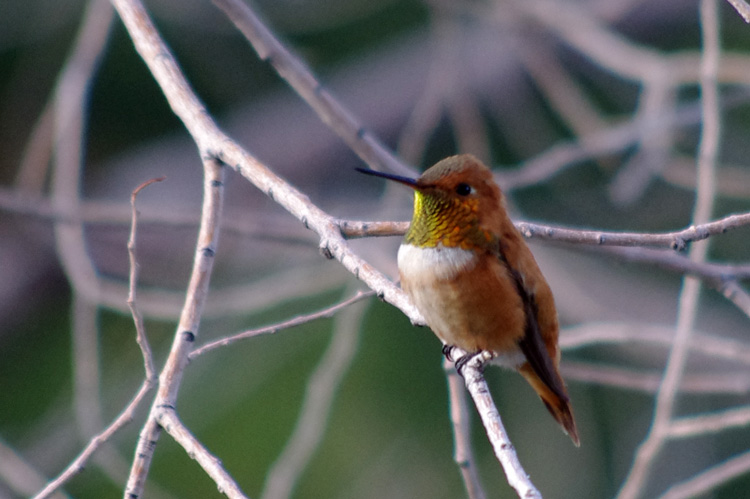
[456,204]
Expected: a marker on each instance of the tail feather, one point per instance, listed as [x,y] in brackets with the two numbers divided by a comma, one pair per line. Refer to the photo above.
[559,407]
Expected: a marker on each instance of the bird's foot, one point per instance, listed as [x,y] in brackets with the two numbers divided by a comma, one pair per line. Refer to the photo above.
[461,358]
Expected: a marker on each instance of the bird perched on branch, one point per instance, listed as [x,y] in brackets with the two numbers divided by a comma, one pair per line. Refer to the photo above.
[474,279]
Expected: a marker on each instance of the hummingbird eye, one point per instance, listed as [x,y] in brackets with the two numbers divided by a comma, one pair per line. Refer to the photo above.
[464,189]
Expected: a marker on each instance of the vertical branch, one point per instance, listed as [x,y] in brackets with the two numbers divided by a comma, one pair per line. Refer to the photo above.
[187,329]
[689,295]
[86,367]
[70,105]
[462,451]
[69,122]
[140,330]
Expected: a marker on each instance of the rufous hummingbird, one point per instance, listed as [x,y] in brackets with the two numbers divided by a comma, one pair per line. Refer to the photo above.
[470,273]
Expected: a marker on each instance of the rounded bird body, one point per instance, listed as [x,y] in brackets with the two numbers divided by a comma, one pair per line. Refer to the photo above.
[436,279]
[475,281]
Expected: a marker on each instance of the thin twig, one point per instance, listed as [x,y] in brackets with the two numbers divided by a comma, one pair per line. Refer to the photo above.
[79,462]
[140,330]
[316,406]
[187,329]
[677,240]
[325,313]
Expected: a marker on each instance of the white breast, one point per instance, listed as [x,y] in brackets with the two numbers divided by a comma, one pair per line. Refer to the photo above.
[441,262]
[428,275]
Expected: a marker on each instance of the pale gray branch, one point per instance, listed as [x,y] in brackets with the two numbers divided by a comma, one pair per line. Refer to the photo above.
[460,420]
[493,425]
[167,418]
[689,296]
[298,75]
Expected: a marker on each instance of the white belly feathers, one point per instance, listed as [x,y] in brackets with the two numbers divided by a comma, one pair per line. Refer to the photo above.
[442,262]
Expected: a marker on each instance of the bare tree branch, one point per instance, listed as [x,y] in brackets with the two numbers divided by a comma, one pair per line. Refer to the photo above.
[735,383]
[677,240]
[140,329]
[648,141]
[167,418]
[462,450]
[503,447]
[187,329]
[316,406]
[95,443]
[710,478]
[325,313]
[742,8]
[691,426]
[307,86]
[688,302]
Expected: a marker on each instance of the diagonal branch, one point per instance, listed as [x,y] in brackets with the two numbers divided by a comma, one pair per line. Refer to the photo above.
[503,447]
[307,86]
[169,420]
[212,141]
[325,313]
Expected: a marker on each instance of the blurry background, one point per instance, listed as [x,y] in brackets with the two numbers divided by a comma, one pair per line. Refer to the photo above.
[589,110]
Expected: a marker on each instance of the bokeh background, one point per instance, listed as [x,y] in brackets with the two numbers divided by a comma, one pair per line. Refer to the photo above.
[504,80]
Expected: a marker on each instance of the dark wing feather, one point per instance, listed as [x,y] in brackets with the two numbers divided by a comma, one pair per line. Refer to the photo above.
[535,350]
[531,344]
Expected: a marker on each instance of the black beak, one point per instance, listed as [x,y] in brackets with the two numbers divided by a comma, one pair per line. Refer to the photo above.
[396,178]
